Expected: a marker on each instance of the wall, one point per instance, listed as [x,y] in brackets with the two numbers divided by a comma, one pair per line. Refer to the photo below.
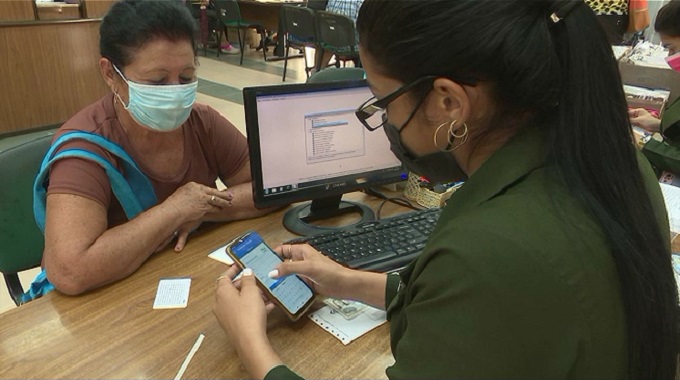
[49,72]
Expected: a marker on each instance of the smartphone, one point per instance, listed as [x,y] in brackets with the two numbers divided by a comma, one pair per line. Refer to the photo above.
[291,293]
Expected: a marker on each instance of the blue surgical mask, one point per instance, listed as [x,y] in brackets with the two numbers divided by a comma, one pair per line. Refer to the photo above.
[159,107]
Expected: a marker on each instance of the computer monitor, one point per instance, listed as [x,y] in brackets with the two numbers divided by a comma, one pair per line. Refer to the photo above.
[307,144]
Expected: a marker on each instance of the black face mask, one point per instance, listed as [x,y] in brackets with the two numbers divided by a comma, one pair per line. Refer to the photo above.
[437,167]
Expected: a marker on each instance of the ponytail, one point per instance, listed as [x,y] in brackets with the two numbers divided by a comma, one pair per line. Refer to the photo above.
[593,124]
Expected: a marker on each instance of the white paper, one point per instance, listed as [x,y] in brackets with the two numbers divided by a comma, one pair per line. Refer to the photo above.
[620,51]
[191,354]
[671,196]
[220,254]
[348,330]
[172,293]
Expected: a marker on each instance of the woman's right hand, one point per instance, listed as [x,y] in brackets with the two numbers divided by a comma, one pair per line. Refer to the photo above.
[640,117]
[324,275]
[194,201]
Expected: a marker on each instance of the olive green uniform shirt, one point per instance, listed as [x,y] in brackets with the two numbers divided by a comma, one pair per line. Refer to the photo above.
[665,155]
[516,281]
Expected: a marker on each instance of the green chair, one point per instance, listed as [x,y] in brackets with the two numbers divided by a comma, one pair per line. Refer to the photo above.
[229,14]
[299,31]
[336,33]
[337,74]
[21,242]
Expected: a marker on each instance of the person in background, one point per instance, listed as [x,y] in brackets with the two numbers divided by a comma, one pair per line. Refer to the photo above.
[148,60]
[552,261]
[667,24]
[613,15]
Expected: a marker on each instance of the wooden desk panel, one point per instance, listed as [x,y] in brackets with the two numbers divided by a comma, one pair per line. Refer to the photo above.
[17,10]
[58,11]
[96,8]
[113,332]
[50,72]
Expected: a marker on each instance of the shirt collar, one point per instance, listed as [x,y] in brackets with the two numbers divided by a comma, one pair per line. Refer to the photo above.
[521,155]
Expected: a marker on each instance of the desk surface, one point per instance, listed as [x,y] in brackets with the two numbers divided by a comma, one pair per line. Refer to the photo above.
[113,332]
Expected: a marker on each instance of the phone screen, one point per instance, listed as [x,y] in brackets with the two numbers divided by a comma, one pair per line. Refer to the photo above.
[290,291]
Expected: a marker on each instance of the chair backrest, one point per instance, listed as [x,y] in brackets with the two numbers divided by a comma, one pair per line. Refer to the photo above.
[227,10]
[335,30]
[317,5]
[337,74]
[195,12]
[299,22]
[21,242]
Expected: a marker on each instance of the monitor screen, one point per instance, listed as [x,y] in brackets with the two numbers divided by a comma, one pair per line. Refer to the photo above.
[307,144]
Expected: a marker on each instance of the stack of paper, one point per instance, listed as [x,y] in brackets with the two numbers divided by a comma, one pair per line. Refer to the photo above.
[671,196]
[652,99]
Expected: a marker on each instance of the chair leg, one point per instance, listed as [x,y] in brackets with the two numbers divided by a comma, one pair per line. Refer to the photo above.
[286,47]
[263,34]
[304,56]
[219,39]
[238,30]
[14,286]
[319,59]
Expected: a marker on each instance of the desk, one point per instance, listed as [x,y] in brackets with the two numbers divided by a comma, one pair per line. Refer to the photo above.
[113,332]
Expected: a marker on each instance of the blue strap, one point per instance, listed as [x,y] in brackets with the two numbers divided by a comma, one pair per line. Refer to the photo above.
[39,287]
[132,188]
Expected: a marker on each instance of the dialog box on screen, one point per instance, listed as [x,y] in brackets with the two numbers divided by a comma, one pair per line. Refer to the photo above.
[333,135]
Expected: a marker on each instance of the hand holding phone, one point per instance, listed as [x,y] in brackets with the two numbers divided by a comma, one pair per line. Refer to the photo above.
[291,293]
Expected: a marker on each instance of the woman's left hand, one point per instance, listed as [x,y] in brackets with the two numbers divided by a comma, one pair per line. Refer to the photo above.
[242,313]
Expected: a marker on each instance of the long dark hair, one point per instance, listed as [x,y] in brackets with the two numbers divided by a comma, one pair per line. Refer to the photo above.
[130,24]
[668,19]
[561,75]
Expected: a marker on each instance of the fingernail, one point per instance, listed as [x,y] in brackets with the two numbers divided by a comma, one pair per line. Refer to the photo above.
[273,274]
[247,272]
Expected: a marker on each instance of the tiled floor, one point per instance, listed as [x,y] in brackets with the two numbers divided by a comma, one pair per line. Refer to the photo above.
[220,83]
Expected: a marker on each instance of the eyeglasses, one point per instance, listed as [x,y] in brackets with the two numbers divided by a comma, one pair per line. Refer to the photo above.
[372,113]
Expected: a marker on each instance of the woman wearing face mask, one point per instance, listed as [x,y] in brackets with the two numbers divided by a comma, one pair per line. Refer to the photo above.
[667,24]
[92,237]
[552,261]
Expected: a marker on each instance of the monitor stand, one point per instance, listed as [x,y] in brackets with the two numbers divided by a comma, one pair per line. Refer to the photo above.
[297,219]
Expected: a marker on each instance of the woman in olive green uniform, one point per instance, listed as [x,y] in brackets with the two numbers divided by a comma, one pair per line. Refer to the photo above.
[664,155]
[553,259]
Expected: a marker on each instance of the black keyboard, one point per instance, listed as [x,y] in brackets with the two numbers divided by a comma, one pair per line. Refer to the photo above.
[381,245]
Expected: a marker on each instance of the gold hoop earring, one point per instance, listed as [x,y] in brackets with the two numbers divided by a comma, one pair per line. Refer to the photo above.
[436,132]
[451,136]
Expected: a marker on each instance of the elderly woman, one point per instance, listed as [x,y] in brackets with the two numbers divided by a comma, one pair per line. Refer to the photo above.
[181,148]
[553,260]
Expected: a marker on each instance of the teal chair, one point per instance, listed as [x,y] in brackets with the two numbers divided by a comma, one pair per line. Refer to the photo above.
[21,242]
[337,74]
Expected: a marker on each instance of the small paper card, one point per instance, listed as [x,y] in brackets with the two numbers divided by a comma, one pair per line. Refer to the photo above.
[348,329]
[173,293]
[221,255]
